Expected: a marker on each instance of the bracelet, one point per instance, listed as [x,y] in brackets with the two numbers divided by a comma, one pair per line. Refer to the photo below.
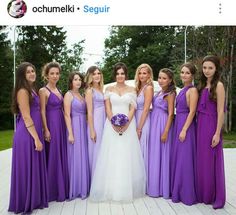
[30,125]
[139,130]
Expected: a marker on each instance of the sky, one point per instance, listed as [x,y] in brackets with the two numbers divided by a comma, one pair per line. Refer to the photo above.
[94,42]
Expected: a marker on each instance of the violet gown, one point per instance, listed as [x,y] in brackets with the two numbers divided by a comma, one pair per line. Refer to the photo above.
[210,161]
[183,156]
[145,130]
[99,117]
[56,150]
[78,151]
[29,188]
[159,153]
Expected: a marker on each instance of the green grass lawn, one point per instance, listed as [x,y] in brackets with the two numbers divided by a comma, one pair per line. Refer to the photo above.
[6,140]
[230,140]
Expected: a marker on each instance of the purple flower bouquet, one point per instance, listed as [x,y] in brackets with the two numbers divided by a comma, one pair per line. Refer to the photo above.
[119,120]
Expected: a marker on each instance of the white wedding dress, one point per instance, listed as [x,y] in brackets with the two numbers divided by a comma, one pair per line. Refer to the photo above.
[119,174]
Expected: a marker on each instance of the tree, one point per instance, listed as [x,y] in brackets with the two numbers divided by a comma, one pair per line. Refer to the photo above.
[6,80]
[163,46]
[70,60]
[38,45]
[42,44]
[139,44]
[218,40]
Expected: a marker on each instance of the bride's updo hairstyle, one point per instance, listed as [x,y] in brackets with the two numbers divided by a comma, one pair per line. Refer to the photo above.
[118,66]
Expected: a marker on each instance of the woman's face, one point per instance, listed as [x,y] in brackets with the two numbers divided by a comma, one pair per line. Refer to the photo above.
[30,74]
[76,83]
[208,69]
[120,76]
[96,76]
[53,75]
[143,75]
[185,75]
[163,80]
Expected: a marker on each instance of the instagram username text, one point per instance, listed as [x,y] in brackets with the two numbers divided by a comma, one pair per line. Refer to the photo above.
[71,9]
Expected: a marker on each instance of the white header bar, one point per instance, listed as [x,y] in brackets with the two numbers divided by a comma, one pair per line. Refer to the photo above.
[120,12]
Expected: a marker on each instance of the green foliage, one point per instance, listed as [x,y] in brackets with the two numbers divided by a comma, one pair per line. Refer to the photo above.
[38,45]
[42,44]
[70,60]
[163,46]
[6,79]
[135,45]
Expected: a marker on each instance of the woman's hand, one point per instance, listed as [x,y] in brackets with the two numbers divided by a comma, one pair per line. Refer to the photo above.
[164,137]
[139,132]
[215,140]
[182,136]
[38,145]
[47,135]
[71,138]
[124,128]
[116,128]
[93,136]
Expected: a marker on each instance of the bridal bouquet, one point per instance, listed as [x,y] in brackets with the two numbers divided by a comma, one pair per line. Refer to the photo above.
[119,120]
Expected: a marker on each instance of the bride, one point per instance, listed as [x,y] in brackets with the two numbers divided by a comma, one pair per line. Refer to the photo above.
[119,174]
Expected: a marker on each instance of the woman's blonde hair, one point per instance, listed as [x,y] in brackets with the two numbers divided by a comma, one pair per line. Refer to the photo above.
[89,77]
[137,81]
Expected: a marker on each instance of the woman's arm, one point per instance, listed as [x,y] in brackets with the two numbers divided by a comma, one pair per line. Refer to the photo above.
[132,108]
[192,99]
[67,114]
[24,106]
[148,95]
[171,101]
[89,103]
[108,104]
[220,95]
[43,101]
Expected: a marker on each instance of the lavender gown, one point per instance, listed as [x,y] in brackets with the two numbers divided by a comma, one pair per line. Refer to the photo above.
[210,161]
[56,150]
[183,156]
[145,130]
[159,153]
[29,188]
[99,117]
[78,152]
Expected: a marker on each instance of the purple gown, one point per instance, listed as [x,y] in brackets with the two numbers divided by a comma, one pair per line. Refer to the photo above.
[159,153]
[56,150]
[78,152]
[210,161]
[183,156]
[29,188]
[99,117]
[145,130]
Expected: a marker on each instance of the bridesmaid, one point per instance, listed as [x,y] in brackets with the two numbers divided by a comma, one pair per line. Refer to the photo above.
[210,118]
[96,113]
[144,88]
[183,165]
[29,189]
[161,136]
[51,101]
[75,117]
